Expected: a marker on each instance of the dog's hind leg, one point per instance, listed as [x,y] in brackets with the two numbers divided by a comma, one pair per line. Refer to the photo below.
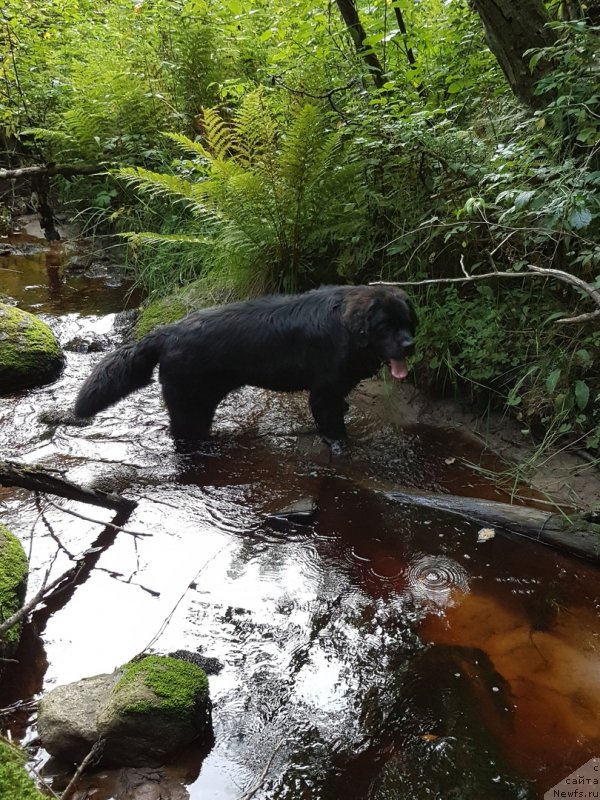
[191,414]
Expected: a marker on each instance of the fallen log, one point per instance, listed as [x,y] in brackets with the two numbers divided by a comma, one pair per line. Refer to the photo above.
[66,170]
[37,479]
[577,533]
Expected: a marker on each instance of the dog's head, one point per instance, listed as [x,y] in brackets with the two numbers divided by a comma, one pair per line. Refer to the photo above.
[382,320]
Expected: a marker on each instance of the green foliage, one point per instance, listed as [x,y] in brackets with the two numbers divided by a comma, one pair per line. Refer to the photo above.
[274,199]
[15,782]
[502,347]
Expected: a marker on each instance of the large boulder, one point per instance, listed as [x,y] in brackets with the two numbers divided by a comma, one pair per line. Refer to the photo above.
[14,780]
[13,584]
[30,354]
[145,712]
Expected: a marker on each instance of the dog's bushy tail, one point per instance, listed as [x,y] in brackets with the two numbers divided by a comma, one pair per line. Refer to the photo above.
[117,375]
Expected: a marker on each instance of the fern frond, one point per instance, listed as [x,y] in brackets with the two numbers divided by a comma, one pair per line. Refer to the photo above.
[172,187]
[48,135]
[255,130]
[308,152]
[217,134]
[189,146]
[147,237]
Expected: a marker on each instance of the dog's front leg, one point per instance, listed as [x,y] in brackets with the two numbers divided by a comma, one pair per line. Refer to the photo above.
[328,409]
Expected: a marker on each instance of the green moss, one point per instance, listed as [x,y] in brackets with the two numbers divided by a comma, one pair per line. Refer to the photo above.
[176,687]
[162,312]
[30,354]
[194,296]
[13,581]
[15,783]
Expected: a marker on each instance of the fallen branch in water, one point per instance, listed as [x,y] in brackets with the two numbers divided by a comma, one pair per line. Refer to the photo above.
[258,782]
[38,597]
[94,754]
[577,533]
[97,521]
[37,479]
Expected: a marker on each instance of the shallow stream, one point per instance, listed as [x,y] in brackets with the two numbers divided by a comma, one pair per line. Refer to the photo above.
[375,651]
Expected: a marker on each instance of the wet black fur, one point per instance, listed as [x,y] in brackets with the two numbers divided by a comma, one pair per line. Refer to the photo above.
[324,341]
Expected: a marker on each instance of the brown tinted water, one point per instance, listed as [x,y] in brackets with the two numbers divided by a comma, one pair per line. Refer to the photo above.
[376,651]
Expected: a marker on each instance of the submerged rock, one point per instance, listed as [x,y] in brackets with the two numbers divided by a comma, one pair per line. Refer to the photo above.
[30,354]
[13,584]
[145,712]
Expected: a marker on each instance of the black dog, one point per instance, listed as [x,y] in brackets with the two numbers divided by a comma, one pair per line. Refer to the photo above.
[325,341]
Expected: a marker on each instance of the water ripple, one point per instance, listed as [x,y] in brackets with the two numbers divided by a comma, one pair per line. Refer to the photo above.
[435,577]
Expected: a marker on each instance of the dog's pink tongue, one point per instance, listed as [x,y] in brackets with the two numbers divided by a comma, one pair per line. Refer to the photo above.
[398,369]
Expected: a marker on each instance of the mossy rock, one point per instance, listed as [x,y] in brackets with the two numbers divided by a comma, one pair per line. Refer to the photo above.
[193,297]
[15,783]
[30,354]
[161,695]
[13,584]
[161,312]
[146,712]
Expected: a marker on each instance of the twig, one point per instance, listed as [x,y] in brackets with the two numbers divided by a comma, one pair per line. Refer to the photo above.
[260,780]
[94,753]
[97,521]
[20,705]
[325,96]
[539,272]
[50,530]
[37,598]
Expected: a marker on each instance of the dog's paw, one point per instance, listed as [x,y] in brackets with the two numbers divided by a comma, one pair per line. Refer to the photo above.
[337,447]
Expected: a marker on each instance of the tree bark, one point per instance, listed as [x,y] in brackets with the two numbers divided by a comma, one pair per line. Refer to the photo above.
[511,28]
[408,49]
[350,16]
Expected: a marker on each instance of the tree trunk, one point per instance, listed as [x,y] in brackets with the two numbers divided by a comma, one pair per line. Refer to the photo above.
[407,48]
[350,16]
[511,28]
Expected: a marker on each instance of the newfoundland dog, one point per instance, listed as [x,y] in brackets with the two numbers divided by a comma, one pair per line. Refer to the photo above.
[324,341]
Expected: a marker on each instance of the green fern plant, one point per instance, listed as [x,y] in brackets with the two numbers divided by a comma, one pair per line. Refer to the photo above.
[274,200]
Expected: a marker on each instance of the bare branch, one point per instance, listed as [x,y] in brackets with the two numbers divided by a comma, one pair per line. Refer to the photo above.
[39,480]
[534,272]
[38,597]
[261,778]
[97,521]
[91,758]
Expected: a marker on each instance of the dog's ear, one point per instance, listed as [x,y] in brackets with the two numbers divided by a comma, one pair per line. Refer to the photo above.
[357,313]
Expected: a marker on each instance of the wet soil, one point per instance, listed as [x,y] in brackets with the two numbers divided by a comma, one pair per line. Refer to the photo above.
[373,650]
